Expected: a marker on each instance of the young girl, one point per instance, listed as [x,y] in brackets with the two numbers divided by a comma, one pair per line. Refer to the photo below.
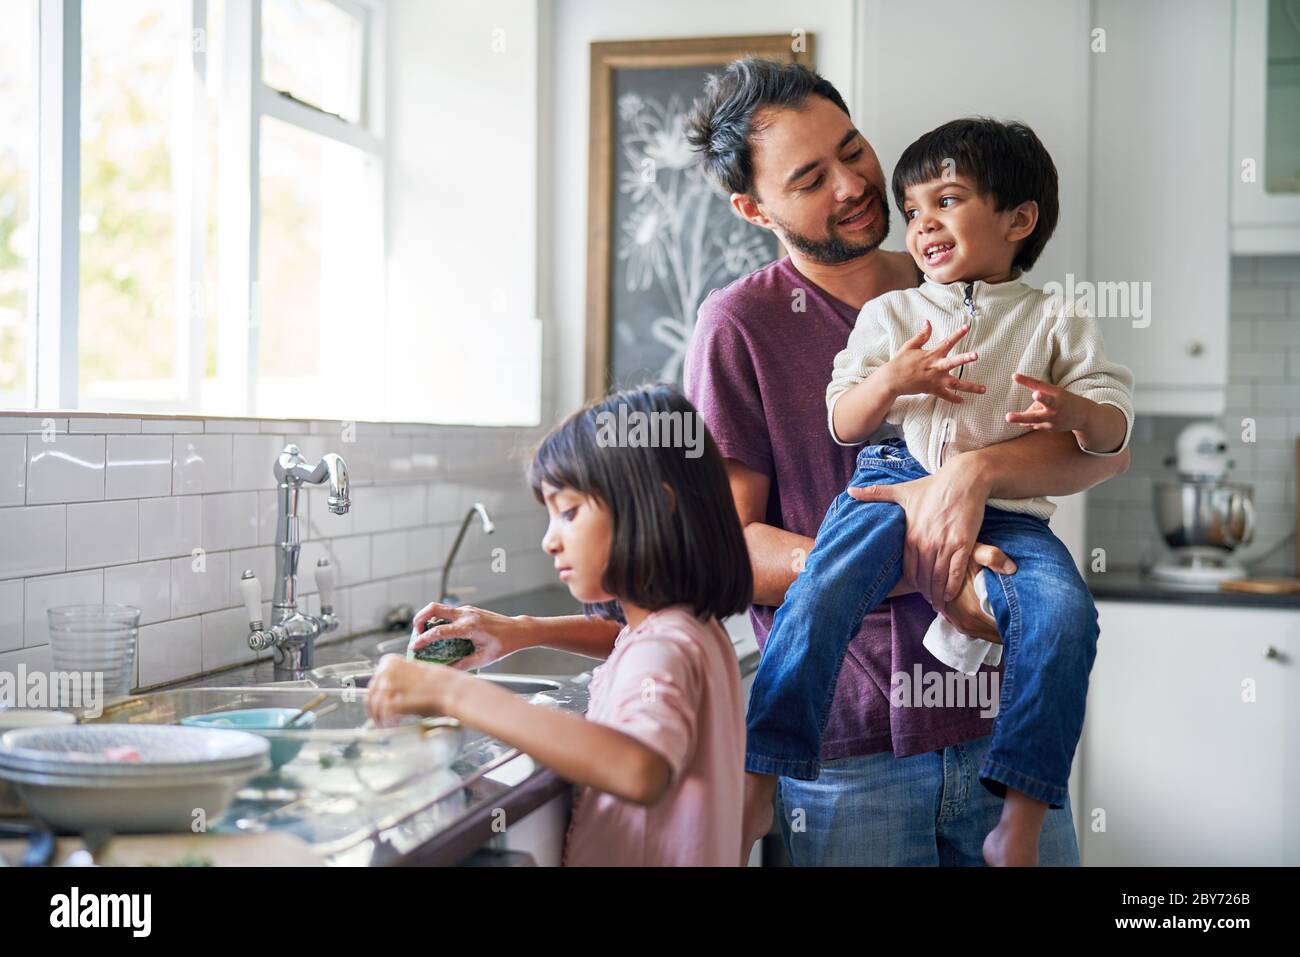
[647,535]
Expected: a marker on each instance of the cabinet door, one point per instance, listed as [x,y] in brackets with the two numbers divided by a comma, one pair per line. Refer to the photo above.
[1266,128]
[1186,768]
[1159,195]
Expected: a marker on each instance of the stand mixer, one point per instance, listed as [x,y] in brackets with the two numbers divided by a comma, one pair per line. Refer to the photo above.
[1202,517]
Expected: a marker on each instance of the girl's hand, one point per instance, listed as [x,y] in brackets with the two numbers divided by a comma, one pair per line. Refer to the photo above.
[1053,409]
[914,370]
[494,635]
[409,687]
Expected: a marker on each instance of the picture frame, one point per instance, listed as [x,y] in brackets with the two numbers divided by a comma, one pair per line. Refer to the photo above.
[654,246]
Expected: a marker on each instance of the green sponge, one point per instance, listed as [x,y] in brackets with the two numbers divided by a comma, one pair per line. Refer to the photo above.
[444,651]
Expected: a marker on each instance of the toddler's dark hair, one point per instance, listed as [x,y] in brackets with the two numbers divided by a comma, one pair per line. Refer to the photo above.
[684,548]
[1006,161]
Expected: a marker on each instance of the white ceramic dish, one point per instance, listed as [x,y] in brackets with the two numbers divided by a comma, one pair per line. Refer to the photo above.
[13,718]
[177,775]
[167,804]
[157,749]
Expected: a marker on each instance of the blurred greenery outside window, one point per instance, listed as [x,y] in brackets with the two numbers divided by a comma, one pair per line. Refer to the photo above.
[159,220]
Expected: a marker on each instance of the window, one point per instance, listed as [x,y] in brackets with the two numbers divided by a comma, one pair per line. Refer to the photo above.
[18,132]
[211,229]
[136,150]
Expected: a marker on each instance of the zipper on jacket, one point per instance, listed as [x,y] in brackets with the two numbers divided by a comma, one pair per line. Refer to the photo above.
[948,428]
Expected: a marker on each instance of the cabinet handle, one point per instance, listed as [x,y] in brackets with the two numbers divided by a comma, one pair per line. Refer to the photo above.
[1195,347]
[1271,652]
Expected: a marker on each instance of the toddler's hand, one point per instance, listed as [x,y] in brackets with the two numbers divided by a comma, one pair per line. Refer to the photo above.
[914,370]
[1053,409]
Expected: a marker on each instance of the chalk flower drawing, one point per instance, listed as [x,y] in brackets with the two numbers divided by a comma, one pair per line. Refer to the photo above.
[680,237]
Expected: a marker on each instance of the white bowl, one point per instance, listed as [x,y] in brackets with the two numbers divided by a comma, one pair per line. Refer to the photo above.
[162,749]
[13,718]
[166,804]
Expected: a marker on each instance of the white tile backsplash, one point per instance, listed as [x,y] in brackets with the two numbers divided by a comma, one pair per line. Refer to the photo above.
[103,533]
[32,424]
[11,615]
[170,650]
[170,526]
[103,425]
[200,583]
[33,540]
[51,591]
[230,520]
[132,498]
[202,463]
[70,468]
[13,469]
[146,585]
[225,639]
[139,466]
[254,459]
[171,426]
[231,425]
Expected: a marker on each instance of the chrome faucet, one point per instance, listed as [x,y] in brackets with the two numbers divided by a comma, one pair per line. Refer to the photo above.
[444,596]
[293,634]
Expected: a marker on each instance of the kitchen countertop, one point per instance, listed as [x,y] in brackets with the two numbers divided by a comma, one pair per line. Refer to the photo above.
[1132,585]
[460,816]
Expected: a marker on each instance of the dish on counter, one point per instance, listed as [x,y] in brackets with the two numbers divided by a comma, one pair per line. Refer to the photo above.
[284,747]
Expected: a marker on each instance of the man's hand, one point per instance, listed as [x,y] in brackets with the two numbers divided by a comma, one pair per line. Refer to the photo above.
[915,370]
[944,513]
[964,611]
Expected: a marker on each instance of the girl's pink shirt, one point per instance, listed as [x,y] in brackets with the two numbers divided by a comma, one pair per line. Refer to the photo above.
[673,683]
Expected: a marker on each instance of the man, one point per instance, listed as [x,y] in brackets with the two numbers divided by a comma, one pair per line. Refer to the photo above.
[899,783]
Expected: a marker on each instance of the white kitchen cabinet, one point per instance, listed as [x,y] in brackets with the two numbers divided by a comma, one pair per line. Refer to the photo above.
[1266,127]
[1159,193]
[1177,765]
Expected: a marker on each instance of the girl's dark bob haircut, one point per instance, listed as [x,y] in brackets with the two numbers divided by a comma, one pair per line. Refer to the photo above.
[683,548]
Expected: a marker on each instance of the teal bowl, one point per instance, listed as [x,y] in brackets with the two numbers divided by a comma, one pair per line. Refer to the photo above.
[284,747]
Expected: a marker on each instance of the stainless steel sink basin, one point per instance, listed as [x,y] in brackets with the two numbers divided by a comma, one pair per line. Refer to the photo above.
[541,661]
[358,674]
[521,685]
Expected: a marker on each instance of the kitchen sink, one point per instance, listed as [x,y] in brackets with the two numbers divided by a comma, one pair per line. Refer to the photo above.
[357,674]
[548,662]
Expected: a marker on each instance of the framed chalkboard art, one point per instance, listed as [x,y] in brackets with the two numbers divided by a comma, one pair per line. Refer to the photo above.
[659,236]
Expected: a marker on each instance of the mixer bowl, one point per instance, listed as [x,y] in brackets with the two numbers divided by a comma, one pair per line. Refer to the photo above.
[1191,514]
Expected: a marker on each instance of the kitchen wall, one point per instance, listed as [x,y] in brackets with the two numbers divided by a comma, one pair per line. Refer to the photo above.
[461,137]
[1264,385]
[166,513]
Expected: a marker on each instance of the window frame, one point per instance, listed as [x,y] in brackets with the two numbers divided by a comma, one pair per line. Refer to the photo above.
[54,352]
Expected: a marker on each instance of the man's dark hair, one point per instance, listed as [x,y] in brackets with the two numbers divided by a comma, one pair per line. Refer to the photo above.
[721,122]
[682,544]
[1006,161]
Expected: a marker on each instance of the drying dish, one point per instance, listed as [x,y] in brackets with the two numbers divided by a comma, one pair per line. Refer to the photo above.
[129,778]
[284,748]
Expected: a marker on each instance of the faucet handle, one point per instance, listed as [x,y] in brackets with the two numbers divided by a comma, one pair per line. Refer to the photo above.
[251,589]
[325,584]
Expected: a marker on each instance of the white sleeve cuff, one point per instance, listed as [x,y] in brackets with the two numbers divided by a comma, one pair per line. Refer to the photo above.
[1128,432]
[830,422]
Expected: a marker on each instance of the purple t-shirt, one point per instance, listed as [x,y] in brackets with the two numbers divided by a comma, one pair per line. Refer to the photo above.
[757,369]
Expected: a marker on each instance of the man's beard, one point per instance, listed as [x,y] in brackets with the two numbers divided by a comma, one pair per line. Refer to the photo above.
[833,249]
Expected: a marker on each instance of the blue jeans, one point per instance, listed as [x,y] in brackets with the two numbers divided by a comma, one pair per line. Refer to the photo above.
[1044,613]
[920,811]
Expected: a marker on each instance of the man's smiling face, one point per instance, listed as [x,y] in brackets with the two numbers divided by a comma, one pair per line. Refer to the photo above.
[817,183]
